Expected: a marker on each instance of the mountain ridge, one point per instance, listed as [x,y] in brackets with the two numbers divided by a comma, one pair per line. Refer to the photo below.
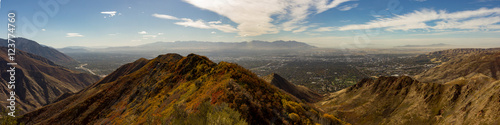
[168,82]
[300,92]
[187,47]
[41,50]
[459,94]
[462,62]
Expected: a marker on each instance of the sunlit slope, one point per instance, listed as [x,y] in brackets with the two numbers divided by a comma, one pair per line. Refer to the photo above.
[462,90]
[38,81]
[171,87]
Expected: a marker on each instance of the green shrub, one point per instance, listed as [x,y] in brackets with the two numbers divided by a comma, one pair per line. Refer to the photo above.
[208,114]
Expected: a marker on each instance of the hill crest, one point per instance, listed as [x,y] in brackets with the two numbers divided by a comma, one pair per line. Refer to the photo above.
[169,84]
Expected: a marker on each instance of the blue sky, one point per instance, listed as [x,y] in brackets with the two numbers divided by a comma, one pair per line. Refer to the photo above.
[323,23]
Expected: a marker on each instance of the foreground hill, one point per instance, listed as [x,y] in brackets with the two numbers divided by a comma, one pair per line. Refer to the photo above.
[41,50]
[300,92]
[171,89]
[39,80]
[472,97]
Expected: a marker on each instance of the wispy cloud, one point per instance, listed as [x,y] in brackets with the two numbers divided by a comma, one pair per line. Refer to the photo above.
[163,16]
[142,32]
[109,13]
[325,29]
[255,17]
[347,7]
[199,23]
[470,19]
[73,35]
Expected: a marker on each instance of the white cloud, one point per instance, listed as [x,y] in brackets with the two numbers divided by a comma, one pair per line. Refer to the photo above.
[214,22]
[301,29]
[325,29]
[484,22]
[420,0]
[213,32]
[322,5]
[160,33]
[163,16]
[254,17]
[190,23]
[73,35]
[224,28]
[348,7]
[199,23]
[43,30]
[142,32]
[470,19]
[110,13]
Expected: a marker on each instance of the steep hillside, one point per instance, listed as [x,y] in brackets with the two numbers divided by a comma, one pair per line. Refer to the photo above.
[39,80]
[172,89]
[300,92]
[403,100]
[41,50]
[463,62]
[462,90]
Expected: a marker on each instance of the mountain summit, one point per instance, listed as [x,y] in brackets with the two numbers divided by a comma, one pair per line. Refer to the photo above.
[172,89]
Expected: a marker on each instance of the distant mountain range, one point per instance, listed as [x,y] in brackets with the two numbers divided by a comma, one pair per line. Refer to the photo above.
[171,89]
[41,50]
[207,48]
[430,45]
[39,80]
[462,90]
